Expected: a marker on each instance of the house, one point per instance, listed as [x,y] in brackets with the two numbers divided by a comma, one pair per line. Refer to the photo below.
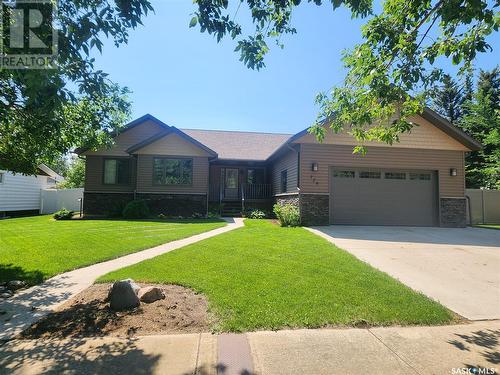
[20,194]
[418,181]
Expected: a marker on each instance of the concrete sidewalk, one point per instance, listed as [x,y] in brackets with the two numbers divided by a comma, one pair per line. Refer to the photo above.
[391,350]
[31,304]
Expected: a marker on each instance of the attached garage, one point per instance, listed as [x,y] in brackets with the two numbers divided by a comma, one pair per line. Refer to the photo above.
[368,196]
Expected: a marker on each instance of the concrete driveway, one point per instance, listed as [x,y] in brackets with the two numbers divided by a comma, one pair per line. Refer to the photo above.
[458,267]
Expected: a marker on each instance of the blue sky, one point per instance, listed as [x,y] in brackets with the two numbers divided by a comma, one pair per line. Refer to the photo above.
[187,80]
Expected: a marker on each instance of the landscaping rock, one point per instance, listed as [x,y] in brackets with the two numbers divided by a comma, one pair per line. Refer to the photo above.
[150,294]
[134,286]
[122,295]
[7,294]
[15,284]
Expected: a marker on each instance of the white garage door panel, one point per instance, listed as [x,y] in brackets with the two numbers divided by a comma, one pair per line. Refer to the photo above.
[383,201]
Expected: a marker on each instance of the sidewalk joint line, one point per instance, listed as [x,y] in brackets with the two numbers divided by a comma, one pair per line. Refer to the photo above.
[394,352]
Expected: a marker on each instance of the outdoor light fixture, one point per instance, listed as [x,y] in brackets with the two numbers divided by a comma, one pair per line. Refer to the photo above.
[315,167]
[453,171]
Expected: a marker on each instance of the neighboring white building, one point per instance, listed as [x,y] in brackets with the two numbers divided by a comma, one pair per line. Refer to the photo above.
[19,192]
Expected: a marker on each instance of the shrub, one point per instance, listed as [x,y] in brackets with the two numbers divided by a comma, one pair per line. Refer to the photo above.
[63,214]
[256,214]
[137,209]
[287,214]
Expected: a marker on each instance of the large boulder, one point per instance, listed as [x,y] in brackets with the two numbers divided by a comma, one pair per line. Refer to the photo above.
[150,294]
[122,295]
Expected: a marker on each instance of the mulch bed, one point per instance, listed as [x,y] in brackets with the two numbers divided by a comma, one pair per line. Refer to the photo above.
[88,314]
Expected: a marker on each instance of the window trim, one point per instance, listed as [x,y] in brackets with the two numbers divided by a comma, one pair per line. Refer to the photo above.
[129,179]
[284,172]
[153,183]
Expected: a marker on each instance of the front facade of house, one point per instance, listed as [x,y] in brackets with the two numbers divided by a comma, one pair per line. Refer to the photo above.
[419,181]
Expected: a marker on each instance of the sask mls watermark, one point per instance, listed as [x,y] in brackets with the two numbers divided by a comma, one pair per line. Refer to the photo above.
[28,38]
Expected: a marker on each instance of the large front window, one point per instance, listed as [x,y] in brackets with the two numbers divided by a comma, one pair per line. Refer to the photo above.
[116,171]
[168,171]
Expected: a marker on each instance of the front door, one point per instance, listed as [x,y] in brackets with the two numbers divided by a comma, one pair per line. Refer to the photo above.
[231,185]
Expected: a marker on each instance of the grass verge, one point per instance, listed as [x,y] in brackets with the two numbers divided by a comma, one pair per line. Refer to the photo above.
[263,276]
[35,248]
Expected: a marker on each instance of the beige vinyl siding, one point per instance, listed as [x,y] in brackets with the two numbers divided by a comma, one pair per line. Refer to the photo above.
[423,136]
[94,175]
[172,144]
[380,157]
[145,176]
[129,138]
[288,161]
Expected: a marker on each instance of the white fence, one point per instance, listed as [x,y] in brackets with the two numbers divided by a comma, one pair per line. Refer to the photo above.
[484,206]
[52,200]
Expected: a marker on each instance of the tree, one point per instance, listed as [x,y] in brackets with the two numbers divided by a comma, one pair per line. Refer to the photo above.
[75,176]
[482,121]
[388,73]
[44,113]
[60,165]
[448,99]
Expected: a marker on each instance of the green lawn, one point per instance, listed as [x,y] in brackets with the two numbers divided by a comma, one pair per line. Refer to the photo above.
[263,276]
[489,226]
[35,248]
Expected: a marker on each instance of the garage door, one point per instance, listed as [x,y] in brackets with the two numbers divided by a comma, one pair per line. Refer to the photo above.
[383,197]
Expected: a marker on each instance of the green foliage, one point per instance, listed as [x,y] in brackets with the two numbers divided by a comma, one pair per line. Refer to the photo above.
[263,276]
[136,209]
[396,58]
[448,99]
[75,175]
[36,248]
[287,214]
[255,213]
[63,214]
[45,113]
[482,121]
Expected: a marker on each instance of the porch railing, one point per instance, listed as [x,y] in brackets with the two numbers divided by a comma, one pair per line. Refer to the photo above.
[247,191]
[257,191]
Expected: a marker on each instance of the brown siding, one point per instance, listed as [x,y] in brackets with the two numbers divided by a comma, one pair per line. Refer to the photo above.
[288,161]
[380,157]
[423,135]
[129,138]
[94,175]
[145,177]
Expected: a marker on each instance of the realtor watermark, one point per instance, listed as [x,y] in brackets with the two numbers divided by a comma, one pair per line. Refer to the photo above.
[474,371]
[28,37]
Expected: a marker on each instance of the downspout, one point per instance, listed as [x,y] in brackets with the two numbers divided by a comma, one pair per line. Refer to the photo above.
[468,206]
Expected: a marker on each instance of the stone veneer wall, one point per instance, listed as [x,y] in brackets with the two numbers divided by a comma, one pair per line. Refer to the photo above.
[314,209]
[453,212]
[105,204]
[288,198]
[176,204]
[112,204]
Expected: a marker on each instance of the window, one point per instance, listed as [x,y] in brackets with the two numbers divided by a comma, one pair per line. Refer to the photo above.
[116,171]
[395,176]
[284,181]
[343,174]
[366,174]
[168,171]
[1,177]
[420,176]
[255,176]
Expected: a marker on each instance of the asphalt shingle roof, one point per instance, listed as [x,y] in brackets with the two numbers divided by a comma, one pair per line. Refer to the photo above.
[239,145]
